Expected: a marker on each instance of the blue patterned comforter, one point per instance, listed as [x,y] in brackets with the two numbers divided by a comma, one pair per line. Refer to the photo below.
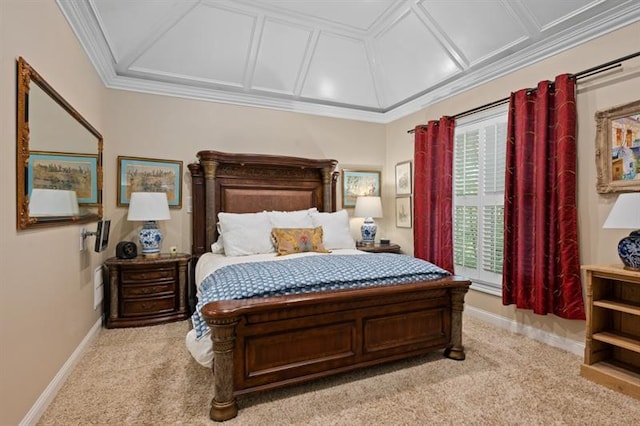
[309,274]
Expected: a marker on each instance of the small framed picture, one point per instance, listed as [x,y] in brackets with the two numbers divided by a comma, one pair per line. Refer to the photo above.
[149,175]
[618,148]
[61,170]
[356,183]
[403,212]
[403,178]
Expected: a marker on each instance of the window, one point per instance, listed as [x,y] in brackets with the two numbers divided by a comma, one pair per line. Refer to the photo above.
[478,198]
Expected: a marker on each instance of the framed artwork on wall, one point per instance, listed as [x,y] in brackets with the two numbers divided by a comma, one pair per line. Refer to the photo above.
[403,178]
[61,170]
[356,183]
[618,148]
[403,212]
[137,174]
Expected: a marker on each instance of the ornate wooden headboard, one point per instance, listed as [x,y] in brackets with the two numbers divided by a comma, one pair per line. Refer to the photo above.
[249,183]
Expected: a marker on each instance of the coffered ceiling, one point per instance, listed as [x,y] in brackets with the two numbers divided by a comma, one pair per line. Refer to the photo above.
[373,60]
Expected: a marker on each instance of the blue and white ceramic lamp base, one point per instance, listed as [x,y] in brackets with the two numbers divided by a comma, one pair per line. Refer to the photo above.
[368,230]
[629,251]
[150,239]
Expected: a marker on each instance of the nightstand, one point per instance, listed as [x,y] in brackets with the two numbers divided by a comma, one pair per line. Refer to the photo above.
[379,248]
[146,291]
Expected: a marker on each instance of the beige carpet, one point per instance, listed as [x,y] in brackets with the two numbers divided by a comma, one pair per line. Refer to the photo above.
[146,376]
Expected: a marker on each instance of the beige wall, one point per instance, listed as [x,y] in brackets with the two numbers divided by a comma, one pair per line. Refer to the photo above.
[597,245]
[172,128]
[46,294]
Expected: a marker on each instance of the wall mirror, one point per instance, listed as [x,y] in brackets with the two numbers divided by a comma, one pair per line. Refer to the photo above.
[59,157]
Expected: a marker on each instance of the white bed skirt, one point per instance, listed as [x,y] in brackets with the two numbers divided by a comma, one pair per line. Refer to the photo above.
[201,350]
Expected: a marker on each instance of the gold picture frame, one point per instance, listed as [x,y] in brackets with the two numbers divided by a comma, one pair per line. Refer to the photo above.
[137,174]
[618,148]
[357,183]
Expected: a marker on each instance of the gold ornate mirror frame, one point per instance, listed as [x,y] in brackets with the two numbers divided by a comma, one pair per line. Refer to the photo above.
[63,126]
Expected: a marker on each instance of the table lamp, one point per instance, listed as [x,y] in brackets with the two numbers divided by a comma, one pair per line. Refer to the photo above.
[53,202]
[368,207]
[149,207]
[625,214]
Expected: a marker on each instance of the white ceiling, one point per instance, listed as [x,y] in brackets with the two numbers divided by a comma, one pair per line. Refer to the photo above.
[374,60]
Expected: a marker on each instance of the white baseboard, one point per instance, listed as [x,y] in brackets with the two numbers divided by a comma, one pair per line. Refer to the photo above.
[550,339]
[52,389]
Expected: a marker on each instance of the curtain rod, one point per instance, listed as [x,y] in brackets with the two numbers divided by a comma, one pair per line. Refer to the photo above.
[616,63]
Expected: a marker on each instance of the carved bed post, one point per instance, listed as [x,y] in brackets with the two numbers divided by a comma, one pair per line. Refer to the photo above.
[209,167]
[327,202]
[223,336]
[456,350]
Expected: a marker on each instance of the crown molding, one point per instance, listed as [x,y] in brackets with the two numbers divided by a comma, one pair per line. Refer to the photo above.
[84,24]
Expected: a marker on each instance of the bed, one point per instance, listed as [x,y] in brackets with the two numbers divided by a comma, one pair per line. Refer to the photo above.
[265,343]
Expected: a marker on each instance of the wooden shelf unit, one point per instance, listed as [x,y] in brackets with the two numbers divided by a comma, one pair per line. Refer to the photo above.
[612,349]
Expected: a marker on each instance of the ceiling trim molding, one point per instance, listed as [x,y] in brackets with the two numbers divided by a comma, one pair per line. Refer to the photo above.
[79,15]
[86,28]
[521,60]
[243,99]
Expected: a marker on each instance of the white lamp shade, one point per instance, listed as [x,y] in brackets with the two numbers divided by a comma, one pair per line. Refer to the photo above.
[146,206]
[625,213]
[53,202]
[367,206]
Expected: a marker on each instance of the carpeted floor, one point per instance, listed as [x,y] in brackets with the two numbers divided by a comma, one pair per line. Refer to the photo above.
[146,376]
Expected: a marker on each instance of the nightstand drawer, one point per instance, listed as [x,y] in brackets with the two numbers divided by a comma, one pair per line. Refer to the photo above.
[158,274]
[147,290]
[146,307]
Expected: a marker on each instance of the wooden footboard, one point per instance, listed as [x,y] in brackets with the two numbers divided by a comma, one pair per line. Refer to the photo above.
[262,344]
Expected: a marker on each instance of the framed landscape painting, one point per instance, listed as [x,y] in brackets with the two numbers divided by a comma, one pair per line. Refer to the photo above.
[149,175]
[60,170]
[356,183]
[618,148]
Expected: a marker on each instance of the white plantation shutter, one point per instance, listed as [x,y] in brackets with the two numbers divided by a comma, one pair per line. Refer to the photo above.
[465,229]
[478,205]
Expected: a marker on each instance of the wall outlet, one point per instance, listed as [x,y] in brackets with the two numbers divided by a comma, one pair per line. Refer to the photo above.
[82,238]
[98,287]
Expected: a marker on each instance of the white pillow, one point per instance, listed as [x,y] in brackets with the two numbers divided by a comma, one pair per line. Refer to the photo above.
[218,246]
[294,219]
[336,233]
[246,233]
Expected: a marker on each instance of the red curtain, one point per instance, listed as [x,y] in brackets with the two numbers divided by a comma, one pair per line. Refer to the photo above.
[433,181]
[541,259]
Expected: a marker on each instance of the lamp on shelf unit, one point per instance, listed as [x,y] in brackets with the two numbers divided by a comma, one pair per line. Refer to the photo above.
[149,207]
[625,214]
[368,207]
[53,203]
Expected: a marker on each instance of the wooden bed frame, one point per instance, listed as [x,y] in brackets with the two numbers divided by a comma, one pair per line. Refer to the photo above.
[267,343]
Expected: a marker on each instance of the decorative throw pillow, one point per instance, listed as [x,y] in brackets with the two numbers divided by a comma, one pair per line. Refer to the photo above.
[298,240]
[336,230]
